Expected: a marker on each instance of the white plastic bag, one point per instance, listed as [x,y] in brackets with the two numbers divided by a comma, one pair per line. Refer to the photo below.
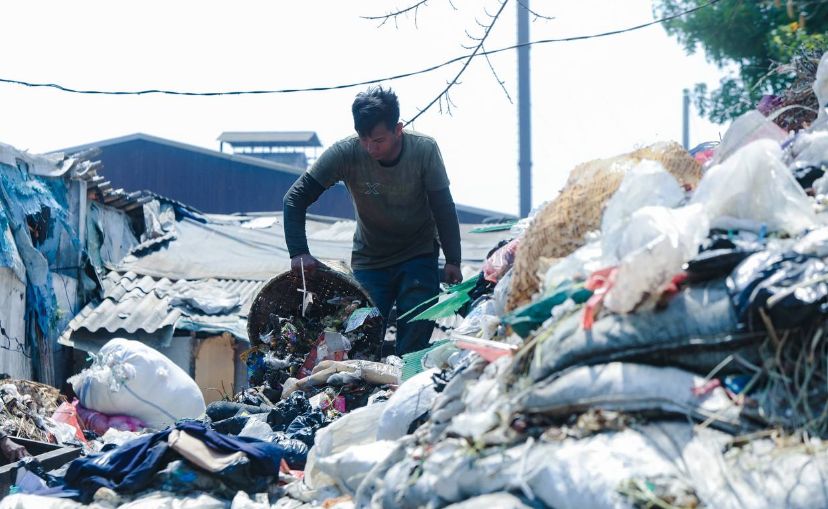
[746,129]
[349,467]
[646,184]
[412,399]
[354,428]
[500,294]
[577,266]
[809,149]
[653,247]
[755,185]
[130,378]
[257,428]
[821,88]
[481,322]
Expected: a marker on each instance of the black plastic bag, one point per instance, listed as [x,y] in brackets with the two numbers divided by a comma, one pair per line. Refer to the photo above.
[791,288]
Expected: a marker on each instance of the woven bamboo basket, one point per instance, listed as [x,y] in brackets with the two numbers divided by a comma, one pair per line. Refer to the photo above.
[280,298]
[559,228]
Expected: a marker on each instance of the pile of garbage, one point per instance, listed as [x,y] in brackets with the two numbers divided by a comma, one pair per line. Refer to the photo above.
[648,339]
[656,336]
[148,438]
[27,408]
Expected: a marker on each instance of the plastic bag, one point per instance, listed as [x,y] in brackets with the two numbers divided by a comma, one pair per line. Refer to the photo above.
[354,428]
[755,185]
[575,267]
[482,321]
[809,149]
[130,378]
[412,399]
[791,288]
[821,185]
[821,89]
[500,261]
[500,294]
[646,184]
[815,243]
[653,248]
[519,228]
[67,413]
[745,130]
[63,432]
[101,423]
[257,428]
[349,467]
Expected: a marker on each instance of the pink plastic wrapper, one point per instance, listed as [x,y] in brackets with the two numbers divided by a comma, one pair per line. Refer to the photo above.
[100,423]
[500,262]
[338,404]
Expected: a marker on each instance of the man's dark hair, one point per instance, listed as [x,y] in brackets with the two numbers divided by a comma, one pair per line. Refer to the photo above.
[373,106]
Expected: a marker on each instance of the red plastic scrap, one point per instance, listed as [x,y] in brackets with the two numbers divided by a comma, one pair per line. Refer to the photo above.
[707,388]
[671,288]
[312,359]
[600,282]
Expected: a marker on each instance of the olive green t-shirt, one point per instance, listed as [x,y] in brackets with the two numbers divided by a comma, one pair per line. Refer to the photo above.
[394,221]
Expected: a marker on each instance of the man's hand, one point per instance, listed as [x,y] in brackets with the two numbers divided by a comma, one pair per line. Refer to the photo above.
[12,450]
[307,261]
[452,274]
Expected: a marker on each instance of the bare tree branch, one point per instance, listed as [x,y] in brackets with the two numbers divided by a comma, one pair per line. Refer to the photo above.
[396,14]
[535,14]
[453,82]
[496,77]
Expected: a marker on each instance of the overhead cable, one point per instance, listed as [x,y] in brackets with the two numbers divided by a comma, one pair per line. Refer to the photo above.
[67,89]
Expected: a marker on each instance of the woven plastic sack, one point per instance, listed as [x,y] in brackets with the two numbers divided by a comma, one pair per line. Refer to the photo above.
[130,378]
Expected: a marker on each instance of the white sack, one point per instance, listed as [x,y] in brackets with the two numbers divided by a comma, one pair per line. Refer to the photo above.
[412,399]
[130,378]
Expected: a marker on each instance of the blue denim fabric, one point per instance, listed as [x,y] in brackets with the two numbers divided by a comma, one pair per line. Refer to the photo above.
[408,284]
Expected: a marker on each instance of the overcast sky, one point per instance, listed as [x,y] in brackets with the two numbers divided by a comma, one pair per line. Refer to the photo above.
[590,99]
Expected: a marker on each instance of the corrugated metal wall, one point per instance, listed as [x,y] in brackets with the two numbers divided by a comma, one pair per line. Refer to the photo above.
[208,183]
[13,361]
[216,184]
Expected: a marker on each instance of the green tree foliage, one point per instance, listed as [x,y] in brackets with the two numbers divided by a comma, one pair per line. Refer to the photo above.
[755,40]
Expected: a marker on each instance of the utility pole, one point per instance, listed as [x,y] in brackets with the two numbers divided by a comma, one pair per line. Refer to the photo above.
[685,117]
[524,110]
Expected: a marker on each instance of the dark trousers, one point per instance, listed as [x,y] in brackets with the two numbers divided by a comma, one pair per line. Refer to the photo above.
[408,284]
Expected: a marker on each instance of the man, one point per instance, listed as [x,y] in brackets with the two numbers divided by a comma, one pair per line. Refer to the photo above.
[400,190]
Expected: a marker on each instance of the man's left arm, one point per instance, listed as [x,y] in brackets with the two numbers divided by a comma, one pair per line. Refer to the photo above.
[448,227]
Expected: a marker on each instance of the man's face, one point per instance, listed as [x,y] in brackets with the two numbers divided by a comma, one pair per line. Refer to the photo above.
[382,143]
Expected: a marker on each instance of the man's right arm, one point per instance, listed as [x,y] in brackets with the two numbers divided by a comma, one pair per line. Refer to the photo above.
[305,191]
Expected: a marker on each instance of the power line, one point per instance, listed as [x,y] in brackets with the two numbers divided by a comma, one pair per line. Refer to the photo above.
[468,56]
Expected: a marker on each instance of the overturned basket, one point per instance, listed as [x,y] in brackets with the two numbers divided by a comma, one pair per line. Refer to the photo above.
[281,297]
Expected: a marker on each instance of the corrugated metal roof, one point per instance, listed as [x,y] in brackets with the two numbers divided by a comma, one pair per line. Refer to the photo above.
[81,149]
[134,303]
[275,138]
